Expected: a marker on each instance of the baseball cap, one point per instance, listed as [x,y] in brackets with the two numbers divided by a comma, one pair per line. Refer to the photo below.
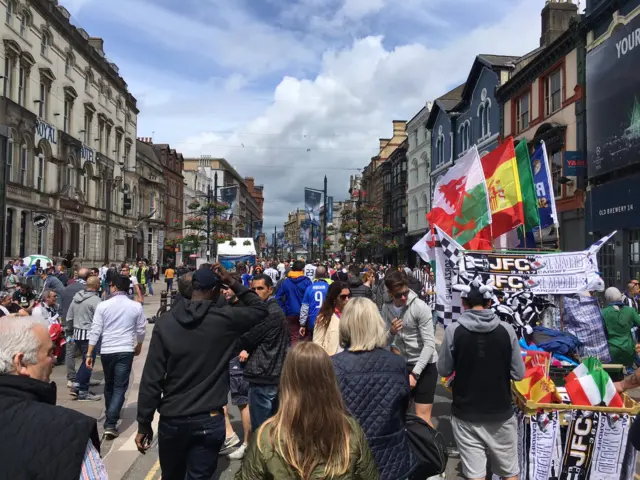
[207,279]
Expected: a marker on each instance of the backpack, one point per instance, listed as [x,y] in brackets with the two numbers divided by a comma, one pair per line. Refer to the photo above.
[428,448]
[555,341]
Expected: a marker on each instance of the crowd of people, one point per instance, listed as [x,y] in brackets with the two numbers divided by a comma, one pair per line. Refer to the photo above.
[324,362]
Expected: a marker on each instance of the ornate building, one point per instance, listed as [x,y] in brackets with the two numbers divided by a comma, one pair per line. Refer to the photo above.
[72,123]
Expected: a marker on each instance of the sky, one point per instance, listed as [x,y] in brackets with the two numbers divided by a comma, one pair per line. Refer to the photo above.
[291,90]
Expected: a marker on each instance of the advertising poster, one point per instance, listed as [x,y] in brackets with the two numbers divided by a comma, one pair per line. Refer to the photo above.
[229,195]
[613,114]
[312,203]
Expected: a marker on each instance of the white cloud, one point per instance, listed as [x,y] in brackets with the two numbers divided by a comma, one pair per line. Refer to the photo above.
[307,127]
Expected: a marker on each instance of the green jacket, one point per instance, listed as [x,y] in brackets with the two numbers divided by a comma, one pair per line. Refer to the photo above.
[618,320]
[268,465]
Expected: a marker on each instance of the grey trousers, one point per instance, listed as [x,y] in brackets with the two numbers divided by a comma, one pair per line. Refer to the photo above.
[70,361]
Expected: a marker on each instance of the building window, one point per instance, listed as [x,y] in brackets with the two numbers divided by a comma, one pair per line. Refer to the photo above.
[22,85]
[66,119]
[85,241]
[24,166]
[44,100]
[522,113]
[25,21]
[553,92]
[7,77]
[117,150]
[40,173]
[45,43]
[88,80]
[100,135]
[10,161]
[127,150]
[107,141]
[465,137]
[88,121]
[556,173]
[70,174]
[487,123]
[152,203]
[10,11]
[85,182]
[68,64]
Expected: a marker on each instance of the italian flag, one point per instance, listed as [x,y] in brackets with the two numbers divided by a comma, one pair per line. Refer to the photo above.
[461,203]
[503,187]
[590,384]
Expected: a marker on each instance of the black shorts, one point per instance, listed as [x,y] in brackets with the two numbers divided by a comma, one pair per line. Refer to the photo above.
[238,386]
[424,392]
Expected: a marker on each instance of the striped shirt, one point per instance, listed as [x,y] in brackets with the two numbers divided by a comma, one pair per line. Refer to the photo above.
[92,465]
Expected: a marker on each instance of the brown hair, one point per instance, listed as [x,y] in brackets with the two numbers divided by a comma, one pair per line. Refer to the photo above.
[329,304]
[306,440]
[396,279]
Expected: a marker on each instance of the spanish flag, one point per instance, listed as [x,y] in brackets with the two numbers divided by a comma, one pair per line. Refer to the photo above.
[503,187]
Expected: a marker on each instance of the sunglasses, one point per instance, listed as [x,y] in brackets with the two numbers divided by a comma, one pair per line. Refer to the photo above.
[399,295]
[344,297]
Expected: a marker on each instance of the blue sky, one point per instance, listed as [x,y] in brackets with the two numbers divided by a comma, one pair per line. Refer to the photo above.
[288,90]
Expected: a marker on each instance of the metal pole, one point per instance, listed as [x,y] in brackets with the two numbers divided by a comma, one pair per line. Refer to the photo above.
[324,222]
[275,244]
[215,212]
[208,221]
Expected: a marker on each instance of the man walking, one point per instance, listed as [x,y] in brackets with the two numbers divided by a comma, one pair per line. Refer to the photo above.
[289,297]
[485,354]
[80,320]
[67,297]
[357,286]
[312,301]
[186,374]
[119,321]
[264,348]
[272,272]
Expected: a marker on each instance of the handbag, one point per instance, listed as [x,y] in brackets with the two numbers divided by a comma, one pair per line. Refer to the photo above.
[428,448]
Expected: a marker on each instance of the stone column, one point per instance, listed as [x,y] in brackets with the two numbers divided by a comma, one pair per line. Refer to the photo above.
[15,233]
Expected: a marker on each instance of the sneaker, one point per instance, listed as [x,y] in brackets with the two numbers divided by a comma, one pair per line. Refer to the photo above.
[229,443]
[110,433]
[88,397]
[239,453]
[95,383]
[70,383]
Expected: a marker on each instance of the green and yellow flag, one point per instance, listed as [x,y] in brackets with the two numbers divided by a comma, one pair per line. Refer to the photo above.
[529,198]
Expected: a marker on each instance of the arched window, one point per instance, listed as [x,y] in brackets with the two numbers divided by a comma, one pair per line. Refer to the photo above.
[487,115]
[39,172]
[88,80]
[481,119]
[25,22]
[45,43]
[11,10]
[69,63]
[84,182]
[70,174]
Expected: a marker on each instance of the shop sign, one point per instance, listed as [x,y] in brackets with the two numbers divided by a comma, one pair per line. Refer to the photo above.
[574,164]
[87,154]
[614,205]
[40,221]
[46,132]
[613,106]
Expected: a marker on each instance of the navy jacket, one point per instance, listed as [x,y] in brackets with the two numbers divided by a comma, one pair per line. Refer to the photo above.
[375,390]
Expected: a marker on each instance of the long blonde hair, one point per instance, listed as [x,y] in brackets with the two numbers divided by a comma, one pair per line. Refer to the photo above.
[306,439]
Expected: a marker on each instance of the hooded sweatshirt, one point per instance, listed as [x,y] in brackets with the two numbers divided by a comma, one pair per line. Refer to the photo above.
[359,289]
[416,340]
[291,293]
[187,368]
[485,355]
[80,313]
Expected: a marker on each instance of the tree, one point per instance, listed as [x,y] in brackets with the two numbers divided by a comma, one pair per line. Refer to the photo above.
[364,226]
[195,225]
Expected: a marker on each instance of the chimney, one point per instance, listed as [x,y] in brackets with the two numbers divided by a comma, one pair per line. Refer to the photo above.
[384,142]
[250,183]
[98,44]
[399,127]
[556,18]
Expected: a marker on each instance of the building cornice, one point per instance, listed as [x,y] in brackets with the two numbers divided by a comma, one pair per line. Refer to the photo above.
[419,119]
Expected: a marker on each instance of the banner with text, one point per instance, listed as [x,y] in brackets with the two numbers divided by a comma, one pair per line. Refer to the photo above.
[312,203]
[229,195]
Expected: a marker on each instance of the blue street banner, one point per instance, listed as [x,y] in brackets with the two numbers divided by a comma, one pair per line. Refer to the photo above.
[574,164]
[280,239]
[257,229]
[229,195]
[329,209]
[544,187]
[312,203]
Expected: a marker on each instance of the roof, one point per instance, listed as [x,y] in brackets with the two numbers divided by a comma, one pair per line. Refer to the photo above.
[498,60]
[446,102]
[492,62]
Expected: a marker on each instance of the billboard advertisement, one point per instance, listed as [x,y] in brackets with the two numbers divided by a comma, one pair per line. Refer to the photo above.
[613,101]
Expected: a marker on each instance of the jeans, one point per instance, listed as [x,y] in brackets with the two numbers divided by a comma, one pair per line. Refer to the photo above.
[150,283]
[117,369]
[169,284]
[189,447]
[263,404]
[294,329]
[70,361]
[84,374]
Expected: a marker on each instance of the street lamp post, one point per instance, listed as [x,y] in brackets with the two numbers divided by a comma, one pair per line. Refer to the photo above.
[324,220]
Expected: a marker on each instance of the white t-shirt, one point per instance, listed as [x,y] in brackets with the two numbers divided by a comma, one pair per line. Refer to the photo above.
[310,271]
[273,273]
[132,286]
[281,268]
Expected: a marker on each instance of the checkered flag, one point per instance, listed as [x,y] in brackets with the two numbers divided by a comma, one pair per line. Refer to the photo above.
[451,249]
[448,314]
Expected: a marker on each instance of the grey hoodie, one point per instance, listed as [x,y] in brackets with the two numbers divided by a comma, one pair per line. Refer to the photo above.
[480,321]
[416,340]
[83,306]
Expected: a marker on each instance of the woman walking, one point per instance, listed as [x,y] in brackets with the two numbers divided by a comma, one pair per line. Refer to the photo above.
[619,319]
[326,330]
[375,387]
[298,443]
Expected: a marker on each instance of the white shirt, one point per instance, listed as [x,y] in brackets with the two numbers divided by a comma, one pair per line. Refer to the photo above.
[103,272]
[133,281]
[281,268]
[273,273]
[119,321]
[310,271]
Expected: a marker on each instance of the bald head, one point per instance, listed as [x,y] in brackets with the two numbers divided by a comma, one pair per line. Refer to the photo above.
[84,273]
[321,272]
[185,285]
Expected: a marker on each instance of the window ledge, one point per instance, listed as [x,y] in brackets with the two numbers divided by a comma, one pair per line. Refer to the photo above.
[46,58]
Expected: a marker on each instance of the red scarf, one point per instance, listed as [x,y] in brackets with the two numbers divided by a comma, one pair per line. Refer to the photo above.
[337,312]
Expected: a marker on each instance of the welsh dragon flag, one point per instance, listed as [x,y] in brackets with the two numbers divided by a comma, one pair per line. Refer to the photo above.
[461,203]
[590,384]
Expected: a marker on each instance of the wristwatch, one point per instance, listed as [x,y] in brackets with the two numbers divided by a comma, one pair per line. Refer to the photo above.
[415,375]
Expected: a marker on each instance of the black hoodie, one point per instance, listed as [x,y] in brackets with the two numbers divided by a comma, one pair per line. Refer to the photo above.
[186,372]
[359,289]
